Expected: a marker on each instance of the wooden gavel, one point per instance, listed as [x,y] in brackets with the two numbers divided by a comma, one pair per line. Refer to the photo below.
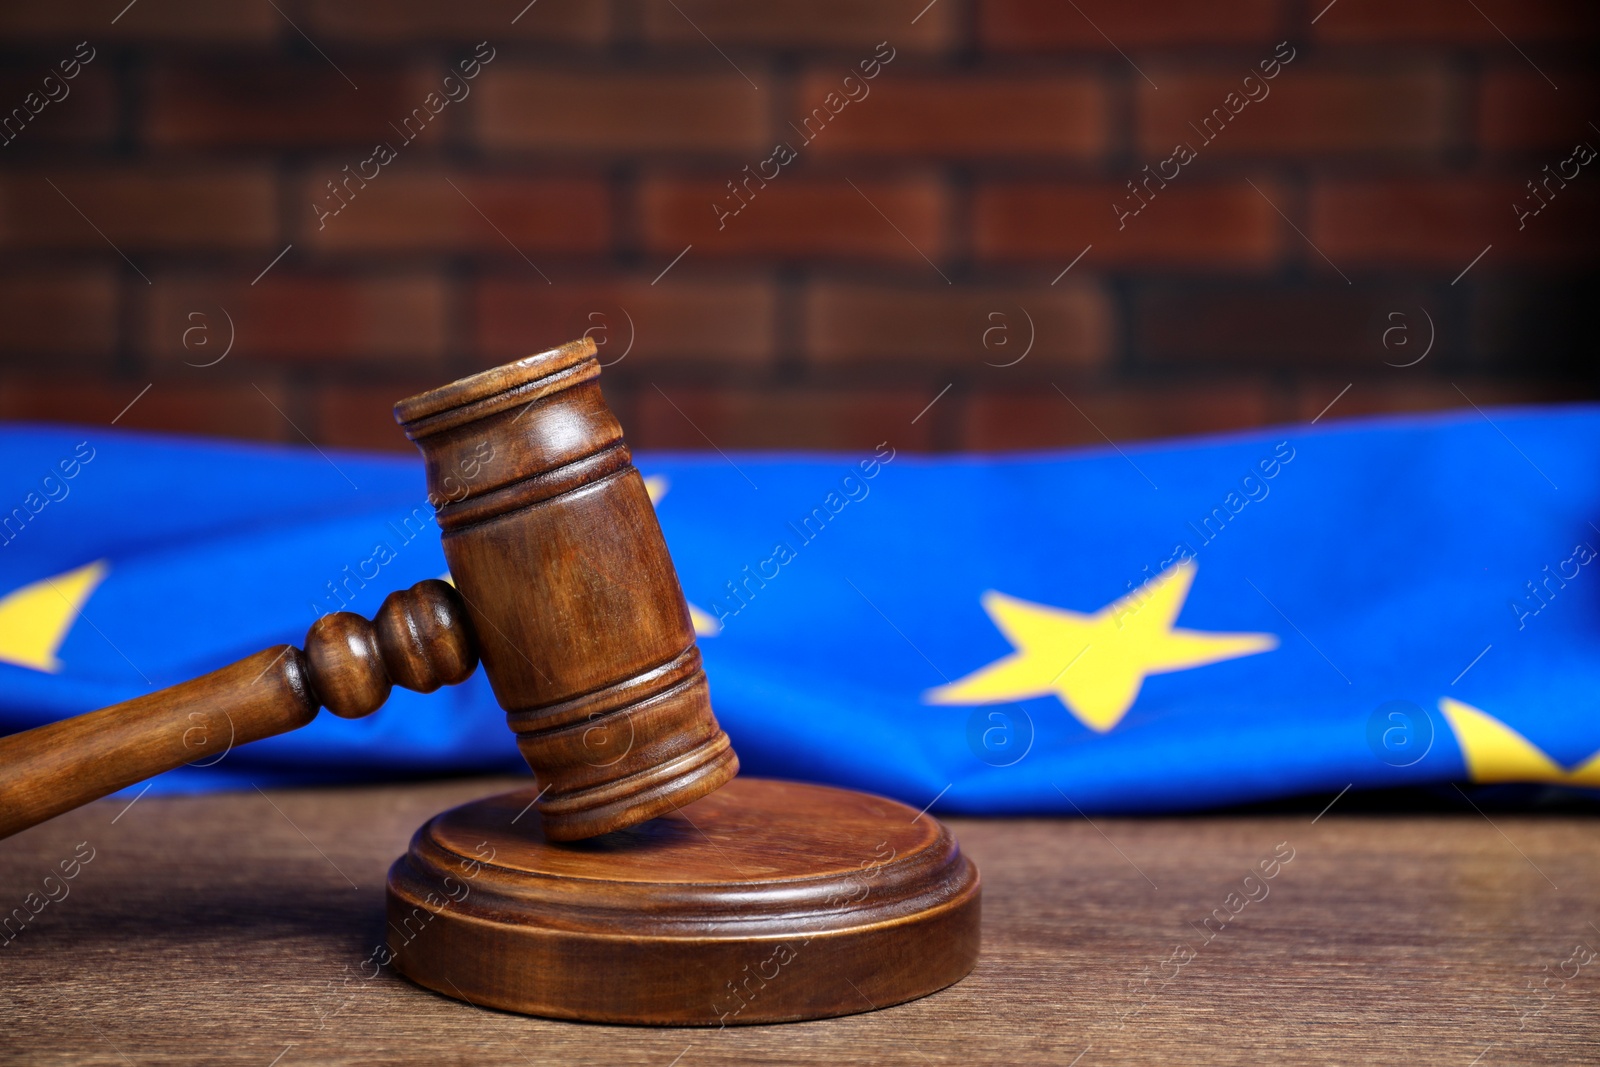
[564,588]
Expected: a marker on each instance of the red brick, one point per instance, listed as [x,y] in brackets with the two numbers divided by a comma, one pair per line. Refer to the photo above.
[285,316]
[698,321]
[1044,418]
[289,104]
[368,22]
[605,110]
[59,313]
[1188,224]
[1445,223]
[1399,392]
[218,407]
[86,114]
[346,415]
[796,24]
[187,21]
[1519,112]
[1448,22]
[419,210]
[699,418]
[196,207]
[1040,25]
[959,116]
[1306,112]
[968,326]
[798,217]
[1290,327]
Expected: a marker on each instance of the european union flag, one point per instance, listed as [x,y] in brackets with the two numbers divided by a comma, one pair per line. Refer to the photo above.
[1145,628]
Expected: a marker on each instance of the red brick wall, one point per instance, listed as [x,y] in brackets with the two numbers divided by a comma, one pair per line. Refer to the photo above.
[908,252]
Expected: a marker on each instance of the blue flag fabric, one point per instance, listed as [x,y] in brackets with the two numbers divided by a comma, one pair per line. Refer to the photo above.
[1146,628]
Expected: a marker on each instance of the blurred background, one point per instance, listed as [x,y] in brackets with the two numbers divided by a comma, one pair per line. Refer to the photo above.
[201,232]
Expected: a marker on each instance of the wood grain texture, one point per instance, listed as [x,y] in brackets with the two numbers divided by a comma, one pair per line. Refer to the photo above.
[211,930]
[582,625]
[420,639]
[764,901]
[56,767]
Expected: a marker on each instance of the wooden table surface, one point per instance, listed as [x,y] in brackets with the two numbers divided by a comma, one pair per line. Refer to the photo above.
[221,929]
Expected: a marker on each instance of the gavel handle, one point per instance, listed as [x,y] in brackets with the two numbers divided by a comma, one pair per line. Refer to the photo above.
[419,639]
[55,768]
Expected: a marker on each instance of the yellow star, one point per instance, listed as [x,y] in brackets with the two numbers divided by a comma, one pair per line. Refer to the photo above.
[1095,664]
[35,619]
[1494,752]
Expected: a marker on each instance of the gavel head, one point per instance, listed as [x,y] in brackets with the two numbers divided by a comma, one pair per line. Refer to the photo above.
[584,632]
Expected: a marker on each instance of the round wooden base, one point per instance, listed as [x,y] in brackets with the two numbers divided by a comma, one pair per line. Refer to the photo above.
[763,902]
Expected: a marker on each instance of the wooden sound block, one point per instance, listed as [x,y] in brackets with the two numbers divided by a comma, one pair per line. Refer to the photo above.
[764,902]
